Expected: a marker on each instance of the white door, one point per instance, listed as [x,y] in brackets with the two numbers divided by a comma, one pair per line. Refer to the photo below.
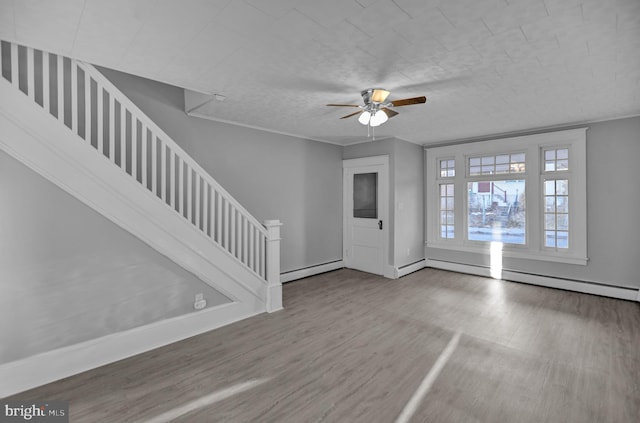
[366,204]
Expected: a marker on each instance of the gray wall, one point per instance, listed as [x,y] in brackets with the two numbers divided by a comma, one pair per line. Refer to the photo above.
[67,274]
[613,205]
[406,195]
[273,176]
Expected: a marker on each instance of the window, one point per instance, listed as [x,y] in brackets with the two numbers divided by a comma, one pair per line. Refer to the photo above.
[496,211]
[447,168]
[447,171]
[446,211]
[556,213]
[500,164]
[365,195]
[485,201]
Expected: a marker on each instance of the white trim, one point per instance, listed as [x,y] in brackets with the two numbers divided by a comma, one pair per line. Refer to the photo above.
[525,132]
[530,145]
[413,267]
[638,297]
[310,271]
[20,375]
[38,140]
[390,272]
[519,254]
[585,287]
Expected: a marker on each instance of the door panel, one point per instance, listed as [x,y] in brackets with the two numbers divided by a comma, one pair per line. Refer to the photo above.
[365,207]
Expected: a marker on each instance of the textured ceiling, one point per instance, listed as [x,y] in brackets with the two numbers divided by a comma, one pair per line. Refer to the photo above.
[486,66]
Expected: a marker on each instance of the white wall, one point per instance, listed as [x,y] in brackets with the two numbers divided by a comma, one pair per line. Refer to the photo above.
[68,274]
[613,206]
[273,176]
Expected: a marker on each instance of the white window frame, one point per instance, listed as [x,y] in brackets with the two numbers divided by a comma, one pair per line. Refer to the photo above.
[445,180]
[534,176]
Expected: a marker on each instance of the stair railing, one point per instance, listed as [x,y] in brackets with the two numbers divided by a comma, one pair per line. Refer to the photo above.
[81,98]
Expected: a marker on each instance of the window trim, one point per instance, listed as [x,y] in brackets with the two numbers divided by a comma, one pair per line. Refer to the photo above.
[533,146]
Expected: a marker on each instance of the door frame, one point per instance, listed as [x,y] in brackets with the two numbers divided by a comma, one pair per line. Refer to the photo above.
[383,199]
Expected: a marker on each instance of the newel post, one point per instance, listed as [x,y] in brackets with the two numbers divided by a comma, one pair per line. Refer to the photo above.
[274,286]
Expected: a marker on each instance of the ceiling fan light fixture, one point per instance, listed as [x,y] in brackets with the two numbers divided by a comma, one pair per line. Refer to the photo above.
[364,118]
[379,95]
[379,118]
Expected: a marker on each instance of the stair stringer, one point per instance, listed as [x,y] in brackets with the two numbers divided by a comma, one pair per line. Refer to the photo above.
[41,142]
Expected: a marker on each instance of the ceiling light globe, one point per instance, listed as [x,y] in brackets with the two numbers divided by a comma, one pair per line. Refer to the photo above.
[364,118]
[379,118]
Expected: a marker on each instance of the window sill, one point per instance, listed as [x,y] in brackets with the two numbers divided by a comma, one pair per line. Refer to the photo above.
[523,254]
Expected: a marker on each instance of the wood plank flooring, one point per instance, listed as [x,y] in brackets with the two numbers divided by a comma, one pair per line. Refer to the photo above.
[352,347]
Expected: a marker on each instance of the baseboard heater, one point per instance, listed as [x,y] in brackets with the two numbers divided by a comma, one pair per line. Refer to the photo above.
[312,270]
[577,285]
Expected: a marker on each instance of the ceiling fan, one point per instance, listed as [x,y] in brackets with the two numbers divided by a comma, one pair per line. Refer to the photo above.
[376,109]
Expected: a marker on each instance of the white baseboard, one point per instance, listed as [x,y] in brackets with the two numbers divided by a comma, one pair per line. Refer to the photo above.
[21,375]
[310,271]
[413,267]
[622,293]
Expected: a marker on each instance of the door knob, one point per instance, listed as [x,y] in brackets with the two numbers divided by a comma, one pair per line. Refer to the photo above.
[380,224]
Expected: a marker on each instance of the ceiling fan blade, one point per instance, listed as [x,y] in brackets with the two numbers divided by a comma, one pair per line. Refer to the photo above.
[390,113]
[352,114]
[409,101]
[344,105]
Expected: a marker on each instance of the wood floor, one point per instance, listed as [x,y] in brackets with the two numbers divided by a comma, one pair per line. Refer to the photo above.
[351,347]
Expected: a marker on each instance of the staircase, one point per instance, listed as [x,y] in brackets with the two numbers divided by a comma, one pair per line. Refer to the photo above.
[65,120]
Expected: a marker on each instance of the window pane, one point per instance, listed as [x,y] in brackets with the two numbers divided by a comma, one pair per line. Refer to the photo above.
[550,204]
[517,158]
[549,221]
[474,161]
[550,166]
[517,168]
[550,155]
[487,170]
[487,160]
[474,170]
[497,211]
[562,187]
[449,190]
[563,222]
[502,168]
[502,159]
[563,164]
[550,239]
[549,187]
[562,239]
[365,195]
[563,204]
[563,153]
[450,218]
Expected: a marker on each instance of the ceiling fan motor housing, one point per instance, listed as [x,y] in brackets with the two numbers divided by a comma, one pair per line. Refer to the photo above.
[374,95]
